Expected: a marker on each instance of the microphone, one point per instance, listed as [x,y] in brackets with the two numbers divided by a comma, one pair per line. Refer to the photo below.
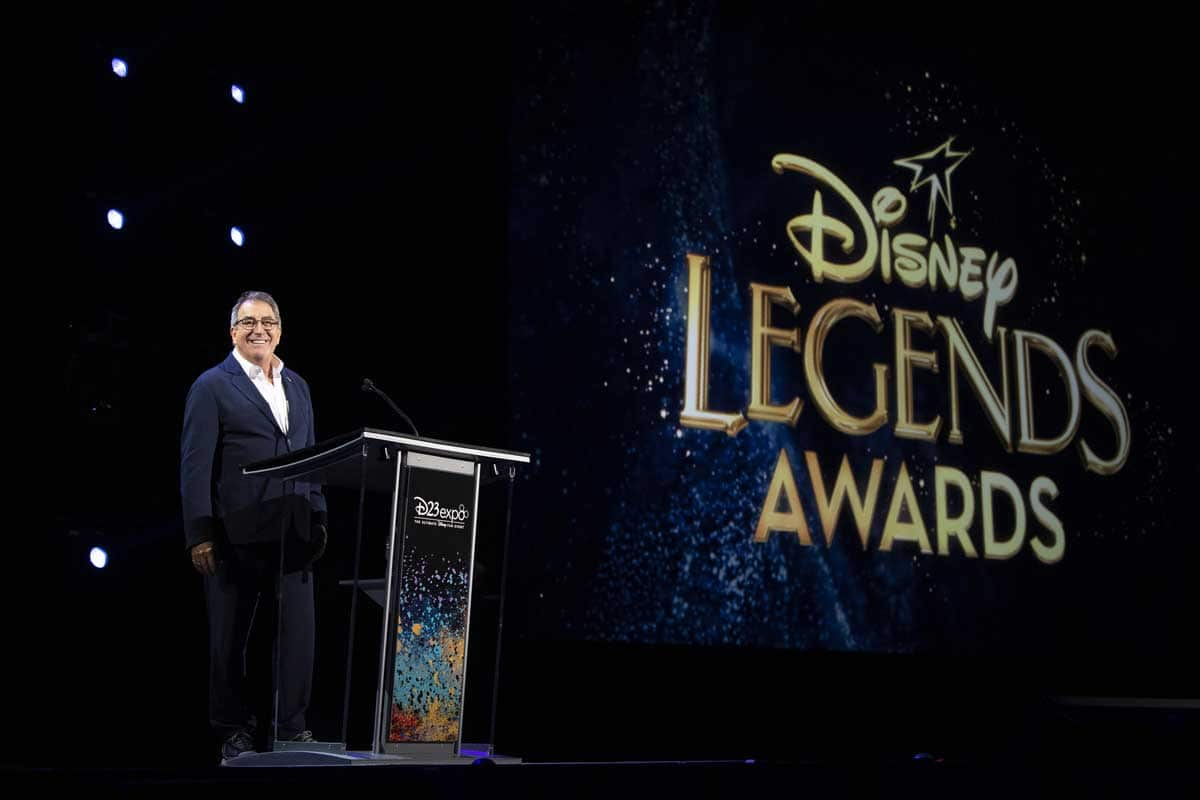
[368,386]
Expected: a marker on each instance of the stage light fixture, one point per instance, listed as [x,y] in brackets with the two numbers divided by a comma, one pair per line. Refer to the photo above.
[120,68]
[116,219]
[98,557]
[238,95]
[236,236]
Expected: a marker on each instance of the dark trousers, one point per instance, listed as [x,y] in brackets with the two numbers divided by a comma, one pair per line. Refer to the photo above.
[242,619]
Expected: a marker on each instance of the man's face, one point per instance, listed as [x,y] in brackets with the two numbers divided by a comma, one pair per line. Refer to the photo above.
[257,345]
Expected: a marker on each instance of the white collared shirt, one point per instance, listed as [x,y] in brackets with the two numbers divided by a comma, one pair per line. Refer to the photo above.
[272,392]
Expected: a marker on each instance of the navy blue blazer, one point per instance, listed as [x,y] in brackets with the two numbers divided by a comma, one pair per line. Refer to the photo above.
[227,424]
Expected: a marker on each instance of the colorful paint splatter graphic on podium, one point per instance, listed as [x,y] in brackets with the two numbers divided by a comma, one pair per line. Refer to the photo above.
[430,646]
[431,629]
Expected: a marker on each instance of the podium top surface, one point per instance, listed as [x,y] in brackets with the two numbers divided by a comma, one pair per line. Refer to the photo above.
[336,460]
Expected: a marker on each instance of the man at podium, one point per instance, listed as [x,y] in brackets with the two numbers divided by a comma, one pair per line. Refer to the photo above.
[248,536]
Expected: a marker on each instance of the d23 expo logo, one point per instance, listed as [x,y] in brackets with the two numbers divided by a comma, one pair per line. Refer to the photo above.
[434,514]
[926,264]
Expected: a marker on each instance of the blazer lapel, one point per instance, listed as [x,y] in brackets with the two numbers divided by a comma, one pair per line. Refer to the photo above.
[293,408]
[246,387]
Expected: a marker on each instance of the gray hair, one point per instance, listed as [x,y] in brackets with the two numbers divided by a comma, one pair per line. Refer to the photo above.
[246,297]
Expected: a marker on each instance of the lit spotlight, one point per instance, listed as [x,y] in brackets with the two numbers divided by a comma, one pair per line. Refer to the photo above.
[98,557]
[235,236]
[238,95]
[116,219]
[120,68]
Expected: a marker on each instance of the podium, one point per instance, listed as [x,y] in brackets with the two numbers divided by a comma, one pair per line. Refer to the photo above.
[433,488]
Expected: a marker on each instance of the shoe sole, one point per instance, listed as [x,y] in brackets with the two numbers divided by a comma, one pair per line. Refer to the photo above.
[226,760]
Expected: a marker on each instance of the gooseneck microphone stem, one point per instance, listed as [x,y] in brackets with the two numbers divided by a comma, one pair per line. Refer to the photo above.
[369,386]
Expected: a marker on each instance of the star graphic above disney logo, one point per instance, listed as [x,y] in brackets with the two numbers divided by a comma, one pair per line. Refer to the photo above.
[934,168]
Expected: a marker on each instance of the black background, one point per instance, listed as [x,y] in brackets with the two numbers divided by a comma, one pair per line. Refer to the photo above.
[369,169]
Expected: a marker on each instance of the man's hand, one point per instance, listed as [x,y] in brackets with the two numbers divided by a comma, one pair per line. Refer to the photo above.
[320,535]
[204,559]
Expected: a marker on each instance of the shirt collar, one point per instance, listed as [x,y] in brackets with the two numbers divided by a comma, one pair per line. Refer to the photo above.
[254,370]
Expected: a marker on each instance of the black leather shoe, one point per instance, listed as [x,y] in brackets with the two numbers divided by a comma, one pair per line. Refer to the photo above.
[239,742]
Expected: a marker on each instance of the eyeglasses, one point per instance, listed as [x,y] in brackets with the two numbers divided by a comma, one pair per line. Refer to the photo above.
[248,323]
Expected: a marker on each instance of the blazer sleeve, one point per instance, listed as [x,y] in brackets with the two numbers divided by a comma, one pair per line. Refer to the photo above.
[198,447]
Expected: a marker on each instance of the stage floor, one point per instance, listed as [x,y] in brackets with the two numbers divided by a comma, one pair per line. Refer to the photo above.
[675,779]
